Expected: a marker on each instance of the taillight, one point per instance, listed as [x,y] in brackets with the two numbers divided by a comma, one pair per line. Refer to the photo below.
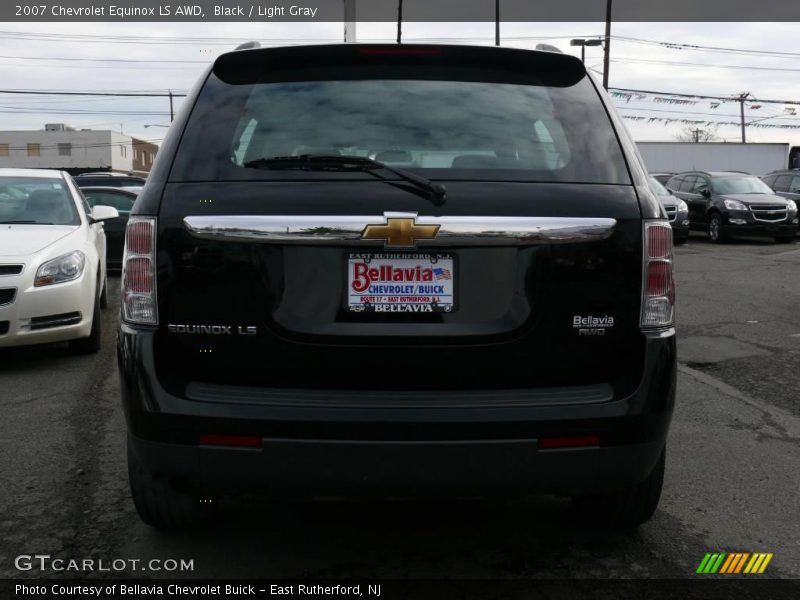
[658,287]
[139,272]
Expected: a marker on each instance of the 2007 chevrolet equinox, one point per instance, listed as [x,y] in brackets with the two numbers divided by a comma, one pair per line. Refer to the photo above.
[397,270]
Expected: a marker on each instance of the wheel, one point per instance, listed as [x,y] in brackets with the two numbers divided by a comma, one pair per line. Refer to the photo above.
[628,507]
[784,239]
[716,234]
[680,240]
[159,503]
[104,293]
[91,344]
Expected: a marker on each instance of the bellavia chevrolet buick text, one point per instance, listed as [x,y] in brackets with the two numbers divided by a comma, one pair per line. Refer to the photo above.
[397,270]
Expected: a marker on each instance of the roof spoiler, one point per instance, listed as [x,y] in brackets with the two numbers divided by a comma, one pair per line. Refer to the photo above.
[248,45]
[548,48]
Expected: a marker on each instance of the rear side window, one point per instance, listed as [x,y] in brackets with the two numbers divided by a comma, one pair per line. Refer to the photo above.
[445,129]
[675,183]
[700,185]
[688,183]
[782,183]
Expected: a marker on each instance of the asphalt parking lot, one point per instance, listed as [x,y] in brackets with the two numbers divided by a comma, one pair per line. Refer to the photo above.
[732,465]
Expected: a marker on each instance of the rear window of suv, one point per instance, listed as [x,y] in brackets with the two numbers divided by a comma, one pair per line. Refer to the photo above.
[447,129]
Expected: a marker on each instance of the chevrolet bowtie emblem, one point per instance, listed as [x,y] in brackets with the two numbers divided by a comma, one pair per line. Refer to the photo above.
[400,232]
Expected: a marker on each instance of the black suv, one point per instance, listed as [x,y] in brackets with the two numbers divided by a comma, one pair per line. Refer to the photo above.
[726,203]
[397,271]
[785,183]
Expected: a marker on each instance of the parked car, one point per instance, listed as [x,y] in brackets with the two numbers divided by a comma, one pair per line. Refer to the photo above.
[662,178]
[726,203]
[677,211]
[784,183]
[493,318]
[122,199]
[52,261]
[109,180]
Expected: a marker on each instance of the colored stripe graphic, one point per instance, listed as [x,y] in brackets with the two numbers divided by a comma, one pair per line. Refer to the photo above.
[732,558]
[740,564]
[764,564]
[711,562]
[734,563]
[758,563]
[703,563]
[716,565]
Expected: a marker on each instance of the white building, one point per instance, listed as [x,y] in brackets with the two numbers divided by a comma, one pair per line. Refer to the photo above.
[61,147]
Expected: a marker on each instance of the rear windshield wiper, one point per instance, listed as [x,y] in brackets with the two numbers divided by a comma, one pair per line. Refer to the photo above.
[436,191]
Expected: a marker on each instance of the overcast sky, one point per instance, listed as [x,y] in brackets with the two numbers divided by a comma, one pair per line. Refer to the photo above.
[711,73]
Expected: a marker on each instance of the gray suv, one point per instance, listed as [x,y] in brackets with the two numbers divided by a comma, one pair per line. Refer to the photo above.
[784,183]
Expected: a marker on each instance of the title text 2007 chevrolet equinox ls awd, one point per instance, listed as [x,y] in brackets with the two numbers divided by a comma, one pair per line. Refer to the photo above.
[365,270]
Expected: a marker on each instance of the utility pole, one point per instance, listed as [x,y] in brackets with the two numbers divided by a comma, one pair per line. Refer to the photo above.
[696,135]
[742,97]
[607,46]
[496,22]
[171,111]
[349,21]
[399,21]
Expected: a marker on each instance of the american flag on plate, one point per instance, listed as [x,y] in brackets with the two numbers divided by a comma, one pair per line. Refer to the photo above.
[441,273]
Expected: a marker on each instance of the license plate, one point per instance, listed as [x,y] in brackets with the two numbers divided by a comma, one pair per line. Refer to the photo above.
[400,282]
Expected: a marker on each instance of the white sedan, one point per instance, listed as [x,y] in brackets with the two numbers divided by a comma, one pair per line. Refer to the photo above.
[52,261]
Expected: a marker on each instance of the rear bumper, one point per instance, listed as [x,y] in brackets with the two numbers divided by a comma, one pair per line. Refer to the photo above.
[470,449]
[341,468]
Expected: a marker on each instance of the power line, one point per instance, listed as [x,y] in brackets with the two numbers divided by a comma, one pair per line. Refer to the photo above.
[682,46]
[104,60]
[130,94]
[687,112]
[625,59]
[13,110]
[731,98]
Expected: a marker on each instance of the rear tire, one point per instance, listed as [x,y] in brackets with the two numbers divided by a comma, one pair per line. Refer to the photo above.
[159,504]
[626,508]
[716,233]
[91,344]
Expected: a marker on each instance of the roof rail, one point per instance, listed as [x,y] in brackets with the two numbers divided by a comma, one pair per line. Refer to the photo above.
[248,45]
[548,48]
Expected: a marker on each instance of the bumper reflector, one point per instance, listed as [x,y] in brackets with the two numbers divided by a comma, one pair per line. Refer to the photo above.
[569,441]
[239,441]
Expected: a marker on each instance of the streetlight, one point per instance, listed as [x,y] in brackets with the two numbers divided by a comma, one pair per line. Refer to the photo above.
[583,43]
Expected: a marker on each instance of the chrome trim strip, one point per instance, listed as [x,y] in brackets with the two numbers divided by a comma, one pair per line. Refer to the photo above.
[347,230]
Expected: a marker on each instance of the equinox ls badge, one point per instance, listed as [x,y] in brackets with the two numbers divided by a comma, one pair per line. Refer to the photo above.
[213,329]
[400,232]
